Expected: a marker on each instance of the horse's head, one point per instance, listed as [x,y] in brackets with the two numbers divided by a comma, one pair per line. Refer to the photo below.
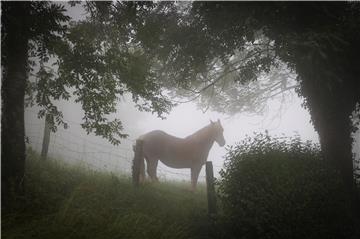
[218,132]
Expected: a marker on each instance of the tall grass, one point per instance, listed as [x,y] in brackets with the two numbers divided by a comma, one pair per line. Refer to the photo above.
[63,201]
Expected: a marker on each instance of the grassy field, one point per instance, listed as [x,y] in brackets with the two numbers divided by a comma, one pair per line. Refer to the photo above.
[63,201]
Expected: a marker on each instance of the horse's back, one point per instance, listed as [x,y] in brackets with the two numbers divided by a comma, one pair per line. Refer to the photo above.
[156,136]
[155,141]
[160,145]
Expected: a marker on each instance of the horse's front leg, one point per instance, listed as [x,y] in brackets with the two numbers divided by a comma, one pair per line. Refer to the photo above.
[195,170]
[142,177]
[151,169]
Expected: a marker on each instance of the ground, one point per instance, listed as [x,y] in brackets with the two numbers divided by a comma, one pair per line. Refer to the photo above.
[63,201]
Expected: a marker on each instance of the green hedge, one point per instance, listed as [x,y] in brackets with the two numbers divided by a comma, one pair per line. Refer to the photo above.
[281,188]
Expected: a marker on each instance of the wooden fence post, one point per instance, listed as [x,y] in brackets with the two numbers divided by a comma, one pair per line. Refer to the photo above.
[136,162]
[46,139]
[211,196]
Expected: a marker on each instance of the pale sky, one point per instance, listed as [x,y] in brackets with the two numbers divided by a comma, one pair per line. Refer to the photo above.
[186,119]
[75,145]
[183,120]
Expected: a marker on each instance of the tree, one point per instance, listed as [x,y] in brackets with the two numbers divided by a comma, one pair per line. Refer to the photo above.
[321,46]
[194,46]
[250,97]
[150,48]
[98,62]
[36,40]
[27,28]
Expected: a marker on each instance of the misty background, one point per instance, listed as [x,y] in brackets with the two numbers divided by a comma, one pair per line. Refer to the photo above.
[74,145]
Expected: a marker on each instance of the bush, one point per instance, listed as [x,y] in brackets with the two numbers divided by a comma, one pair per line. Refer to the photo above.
[281,188]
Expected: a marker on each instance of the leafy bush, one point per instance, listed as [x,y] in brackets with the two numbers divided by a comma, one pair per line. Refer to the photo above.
[281,188]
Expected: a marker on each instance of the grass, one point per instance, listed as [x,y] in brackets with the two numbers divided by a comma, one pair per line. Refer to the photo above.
[63,201]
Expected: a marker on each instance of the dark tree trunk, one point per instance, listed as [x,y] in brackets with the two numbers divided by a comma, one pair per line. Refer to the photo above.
[330,109]
[336,144]
[334,126]
[331,88]
[15,56]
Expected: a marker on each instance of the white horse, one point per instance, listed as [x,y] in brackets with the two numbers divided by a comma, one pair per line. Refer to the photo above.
[190,152]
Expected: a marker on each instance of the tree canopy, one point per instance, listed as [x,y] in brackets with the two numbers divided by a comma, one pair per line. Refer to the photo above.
[150,48]
[200,47]
[210,51]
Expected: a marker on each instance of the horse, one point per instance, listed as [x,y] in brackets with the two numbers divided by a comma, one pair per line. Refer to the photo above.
[189,152]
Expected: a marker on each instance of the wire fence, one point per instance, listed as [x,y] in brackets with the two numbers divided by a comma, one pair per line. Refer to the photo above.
[95,153]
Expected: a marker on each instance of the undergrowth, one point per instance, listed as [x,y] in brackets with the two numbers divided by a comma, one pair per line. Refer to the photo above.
[275,187]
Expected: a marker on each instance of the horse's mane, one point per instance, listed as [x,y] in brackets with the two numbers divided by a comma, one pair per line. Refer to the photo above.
[201,133]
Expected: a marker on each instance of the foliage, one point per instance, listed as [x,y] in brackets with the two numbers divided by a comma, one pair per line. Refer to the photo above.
[42,27]
[183,58]
[64,201]
[95,67]
[100,63]
[208,49]
[320,47]
[205,51]
[214,52]
[28,29]
[281,188]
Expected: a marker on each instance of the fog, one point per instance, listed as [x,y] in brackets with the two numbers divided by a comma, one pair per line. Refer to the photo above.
[74,145]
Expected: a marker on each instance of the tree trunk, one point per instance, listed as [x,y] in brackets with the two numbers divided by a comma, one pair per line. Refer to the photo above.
[46,139]
[334,126]
[330,112]
[15,50]
[331,91]
[336,144]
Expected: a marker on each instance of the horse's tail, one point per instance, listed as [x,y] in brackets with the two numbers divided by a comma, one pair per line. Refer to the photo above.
[138,162]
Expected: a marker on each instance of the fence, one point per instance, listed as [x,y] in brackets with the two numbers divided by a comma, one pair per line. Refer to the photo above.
[93,152]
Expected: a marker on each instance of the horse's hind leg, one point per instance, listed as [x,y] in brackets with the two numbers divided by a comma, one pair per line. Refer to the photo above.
[142,171]
[151,168]
[195,170]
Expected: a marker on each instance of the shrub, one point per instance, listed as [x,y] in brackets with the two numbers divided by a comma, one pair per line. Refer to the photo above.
[281,188]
